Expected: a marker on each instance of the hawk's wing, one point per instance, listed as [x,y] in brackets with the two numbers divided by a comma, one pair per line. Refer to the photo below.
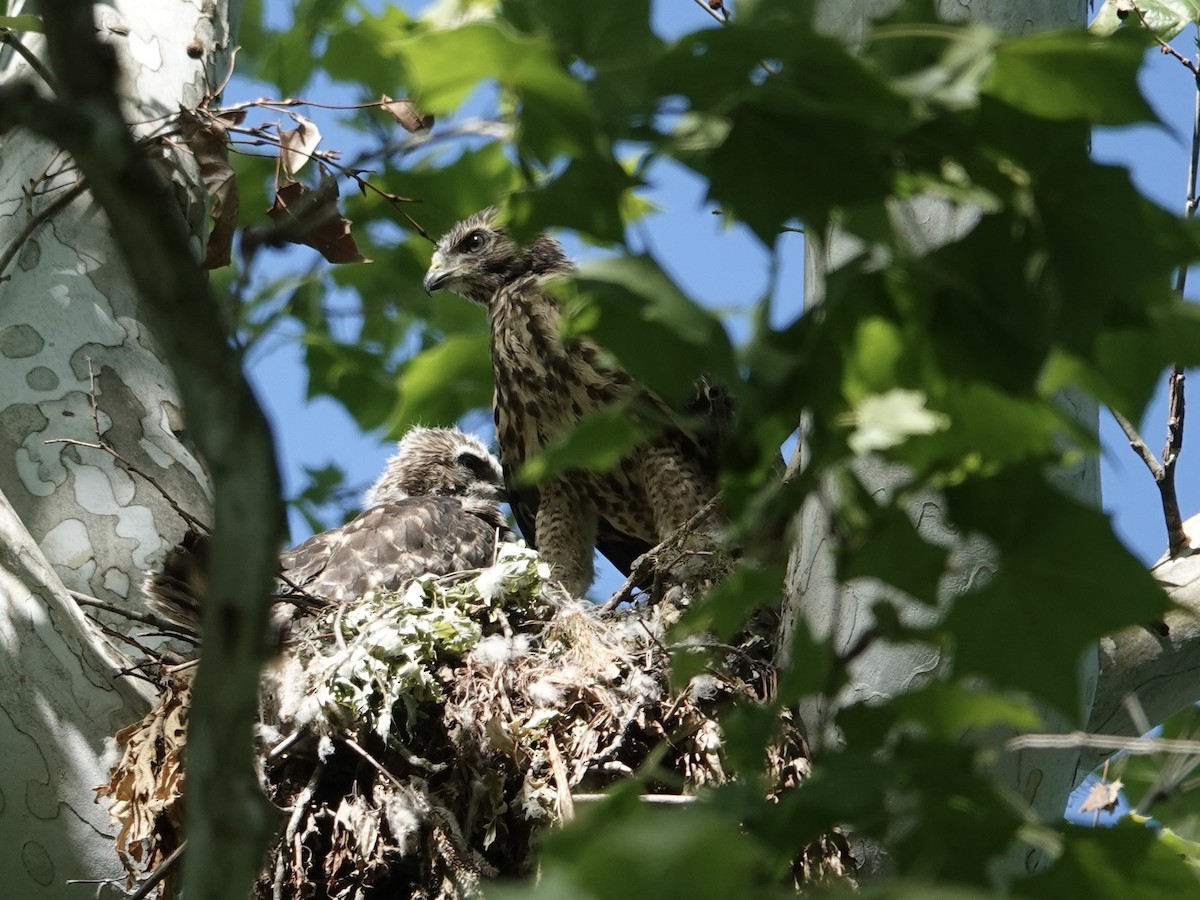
[389,545]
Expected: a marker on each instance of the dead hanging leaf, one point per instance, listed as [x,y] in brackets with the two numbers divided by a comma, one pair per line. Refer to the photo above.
[146,786]
[297,145]
[405,112]
[311,217]
[208,140]
[1103,795]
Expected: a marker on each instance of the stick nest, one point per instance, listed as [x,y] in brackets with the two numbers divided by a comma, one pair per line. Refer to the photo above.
[416,743]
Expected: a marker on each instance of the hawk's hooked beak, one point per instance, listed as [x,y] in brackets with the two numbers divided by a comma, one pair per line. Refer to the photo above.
[437,274]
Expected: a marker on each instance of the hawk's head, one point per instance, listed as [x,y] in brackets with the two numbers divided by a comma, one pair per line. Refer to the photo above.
[475,257]
[443,462]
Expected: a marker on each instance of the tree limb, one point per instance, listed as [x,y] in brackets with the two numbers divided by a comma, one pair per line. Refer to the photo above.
[1161,670]
[227,817]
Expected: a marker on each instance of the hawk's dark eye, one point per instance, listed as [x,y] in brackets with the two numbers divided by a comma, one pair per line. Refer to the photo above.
[477,466]
[474,242]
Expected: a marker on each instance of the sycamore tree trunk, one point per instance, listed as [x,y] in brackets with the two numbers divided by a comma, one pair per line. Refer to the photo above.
[1160,670]
[77,367]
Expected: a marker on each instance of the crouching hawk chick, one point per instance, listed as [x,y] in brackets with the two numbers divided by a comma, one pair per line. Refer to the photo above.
[433,511]
[544,386]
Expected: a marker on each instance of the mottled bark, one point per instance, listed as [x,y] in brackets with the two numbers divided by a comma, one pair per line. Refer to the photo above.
[68,309]
[79,293]
[60,704]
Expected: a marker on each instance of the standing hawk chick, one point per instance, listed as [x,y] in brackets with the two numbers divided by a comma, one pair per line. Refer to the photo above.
[433,511]
[544,387]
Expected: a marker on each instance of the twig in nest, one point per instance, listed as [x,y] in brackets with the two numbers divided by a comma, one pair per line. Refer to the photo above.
[566,806]
[646,564]
[159,874]
[152,879]
[145,618]
[299,805]
[132,642]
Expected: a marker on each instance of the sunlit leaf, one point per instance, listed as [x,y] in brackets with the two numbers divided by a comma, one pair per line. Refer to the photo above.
[1092,79]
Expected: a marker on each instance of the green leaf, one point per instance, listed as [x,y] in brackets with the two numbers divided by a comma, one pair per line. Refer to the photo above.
[351,375]
[1062,581]
[813,87]
[443,382]
[288,56]
[556,202]
[446,66]
[633,309]
[893,551]
[626,850]
[451,191]
[941,710]
[723,610]
[368,51]
[600,440]
[1116,863]
[1073,75]
[1166,18]
[22,23]
[324,485]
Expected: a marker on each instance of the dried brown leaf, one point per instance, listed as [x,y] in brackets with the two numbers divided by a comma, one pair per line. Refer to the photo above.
[405,112]
[312,217]
[146,785]
[208,141]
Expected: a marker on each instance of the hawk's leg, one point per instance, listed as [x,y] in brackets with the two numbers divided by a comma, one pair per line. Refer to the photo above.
[566,534]
[674,489]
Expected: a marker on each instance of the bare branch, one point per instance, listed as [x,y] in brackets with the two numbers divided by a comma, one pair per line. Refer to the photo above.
[1166,48]
[1177,539]
[1077,740]
[145,618]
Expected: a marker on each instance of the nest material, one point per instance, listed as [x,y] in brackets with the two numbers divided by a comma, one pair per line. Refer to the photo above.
[418,742]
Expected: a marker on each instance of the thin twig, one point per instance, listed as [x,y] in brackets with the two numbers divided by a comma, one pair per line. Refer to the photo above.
[1139,446]
[15,245]
[299,805]
[8,36]
[1164,46]
[1077,740]
[94,400]
[108,448]
[158,874]
[127,638]
[145,618]
[645,564]
[376,764]
[1177,539]
[722,16]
